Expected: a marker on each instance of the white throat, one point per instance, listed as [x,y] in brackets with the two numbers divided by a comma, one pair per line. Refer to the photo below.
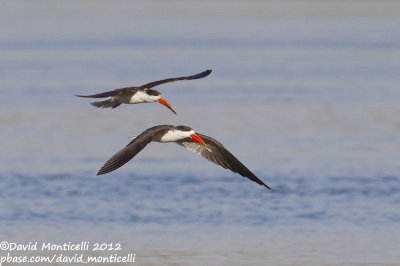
[142,97]
[174,135]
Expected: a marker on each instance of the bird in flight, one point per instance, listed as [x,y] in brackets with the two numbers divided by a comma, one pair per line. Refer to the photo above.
[207,147]
[142,94]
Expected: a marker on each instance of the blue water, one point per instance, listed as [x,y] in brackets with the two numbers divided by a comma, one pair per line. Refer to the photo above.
[166,200]
[305,94]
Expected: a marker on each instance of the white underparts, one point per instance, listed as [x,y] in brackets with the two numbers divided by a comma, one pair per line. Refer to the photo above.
[174,135]
[142,97]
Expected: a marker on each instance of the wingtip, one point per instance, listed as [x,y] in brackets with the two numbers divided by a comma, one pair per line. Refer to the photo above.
[204,73]
[267,187]
[100,172]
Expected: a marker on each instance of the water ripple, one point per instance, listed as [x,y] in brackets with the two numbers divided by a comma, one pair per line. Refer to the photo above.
[192,199]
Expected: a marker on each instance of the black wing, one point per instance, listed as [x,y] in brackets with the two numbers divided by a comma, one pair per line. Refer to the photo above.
[111,93]
[159,82]
[133,148]
[220,156]
[146,86]
[100,95]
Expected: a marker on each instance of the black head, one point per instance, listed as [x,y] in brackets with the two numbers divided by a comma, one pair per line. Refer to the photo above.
[153,92]
[183,128]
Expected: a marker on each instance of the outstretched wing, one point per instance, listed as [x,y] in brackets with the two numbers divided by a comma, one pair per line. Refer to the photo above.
[100,95]
[159,82]
[146,86]
[133,148]
[219,155]
[111,93]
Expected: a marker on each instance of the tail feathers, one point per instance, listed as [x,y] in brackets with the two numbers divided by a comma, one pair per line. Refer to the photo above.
[109,103]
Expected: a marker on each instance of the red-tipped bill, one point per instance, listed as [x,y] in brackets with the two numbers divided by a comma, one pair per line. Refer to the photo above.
[166,104]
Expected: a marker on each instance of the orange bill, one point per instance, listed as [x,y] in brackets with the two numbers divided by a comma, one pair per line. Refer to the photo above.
[196,138]
[166,104]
